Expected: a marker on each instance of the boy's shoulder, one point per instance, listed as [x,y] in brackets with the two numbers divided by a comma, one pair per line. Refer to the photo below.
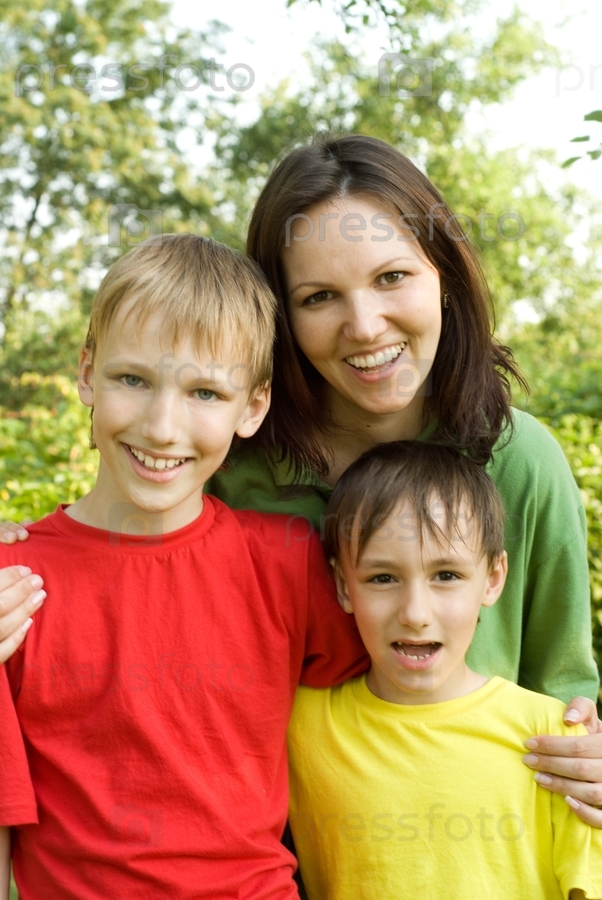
[520,710]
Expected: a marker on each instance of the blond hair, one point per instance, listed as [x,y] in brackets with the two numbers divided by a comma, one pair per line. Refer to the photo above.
[203,290]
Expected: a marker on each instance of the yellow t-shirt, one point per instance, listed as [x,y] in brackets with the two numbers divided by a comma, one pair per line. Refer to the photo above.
[392,802]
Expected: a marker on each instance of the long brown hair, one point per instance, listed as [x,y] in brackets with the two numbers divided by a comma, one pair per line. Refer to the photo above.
[469,400]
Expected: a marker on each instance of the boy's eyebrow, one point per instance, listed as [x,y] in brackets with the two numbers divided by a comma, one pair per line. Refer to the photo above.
[368,563]
[205,374]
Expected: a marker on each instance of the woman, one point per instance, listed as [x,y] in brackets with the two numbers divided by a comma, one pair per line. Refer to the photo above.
[384,334]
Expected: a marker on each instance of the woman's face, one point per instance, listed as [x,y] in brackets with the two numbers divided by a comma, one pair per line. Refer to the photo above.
[365,307]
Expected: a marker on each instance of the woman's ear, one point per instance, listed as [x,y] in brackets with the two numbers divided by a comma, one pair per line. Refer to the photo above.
[342,592]
[496,579]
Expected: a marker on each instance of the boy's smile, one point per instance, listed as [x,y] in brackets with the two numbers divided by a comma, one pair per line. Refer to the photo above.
[416,606]
[164,419]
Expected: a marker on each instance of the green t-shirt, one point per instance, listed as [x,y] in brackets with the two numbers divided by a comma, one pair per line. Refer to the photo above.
[538,634]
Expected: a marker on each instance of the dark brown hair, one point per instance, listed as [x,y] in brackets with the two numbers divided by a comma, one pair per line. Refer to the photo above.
[422,476]
[469,398]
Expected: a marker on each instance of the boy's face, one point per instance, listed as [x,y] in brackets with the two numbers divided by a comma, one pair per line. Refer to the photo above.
[164,419]
[416,605]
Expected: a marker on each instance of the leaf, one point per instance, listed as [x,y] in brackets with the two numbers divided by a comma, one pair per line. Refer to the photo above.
[569,162]
[595,116]
[595,154]
[577,140]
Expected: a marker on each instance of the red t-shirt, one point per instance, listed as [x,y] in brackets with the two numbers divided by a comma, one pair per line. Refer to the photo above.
[153,694]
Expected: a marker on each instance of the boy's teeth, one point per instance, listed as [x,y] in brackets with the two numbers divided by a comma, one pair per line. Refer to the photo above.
[377,359]
[420,651]
[151,463]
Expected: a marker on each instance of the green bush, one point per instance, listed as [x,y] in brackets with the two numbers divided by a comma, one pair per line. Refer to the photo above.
[44,455]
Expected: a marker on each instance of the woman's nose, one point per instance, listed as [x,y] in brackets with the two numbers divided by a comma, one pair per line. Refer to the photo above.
[364,319]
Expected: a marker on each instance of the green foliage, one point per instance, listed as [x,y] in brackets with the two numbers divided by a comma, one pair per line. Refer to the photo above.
[581,440]
[44,458]
[595,116]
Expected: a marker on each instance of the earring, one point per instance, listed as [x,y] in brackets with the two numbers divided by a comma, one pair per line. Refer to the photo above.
[92,442]
[445,300]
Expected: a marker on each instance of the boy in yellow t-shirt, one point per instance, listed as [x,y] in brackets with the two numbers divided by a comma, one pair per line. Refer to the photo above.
[407,782]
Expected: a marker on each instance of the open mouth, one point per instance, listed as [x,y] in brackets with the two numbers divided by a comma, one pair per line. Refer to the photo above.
[416,651]
[375,361]
[156,464]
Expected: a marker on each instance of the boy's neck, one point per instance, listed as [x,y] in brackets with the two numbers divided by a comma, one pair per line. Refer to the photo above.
[461,682]
[98,511]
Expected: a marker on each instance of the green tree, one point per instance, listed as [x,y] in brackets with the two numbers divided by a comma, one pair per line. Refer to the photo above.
[91,111]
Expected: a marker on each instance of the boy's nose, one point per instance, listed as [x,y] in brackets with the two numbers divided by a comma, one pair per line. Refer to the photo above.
[415,610]
[162,423]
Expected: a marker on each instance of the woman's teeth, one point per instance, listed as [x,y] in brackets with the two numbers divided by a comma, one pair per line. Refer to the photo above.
[152,463]
[377,359]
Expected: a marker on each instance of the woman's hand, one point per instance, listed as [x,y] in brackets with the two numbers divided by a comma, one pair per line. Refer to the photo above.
[572,766]
[21,595]
[11,532]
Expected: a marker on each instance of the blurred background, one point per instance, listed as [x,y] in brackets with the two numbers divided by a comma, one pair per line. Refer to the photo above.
[121,118]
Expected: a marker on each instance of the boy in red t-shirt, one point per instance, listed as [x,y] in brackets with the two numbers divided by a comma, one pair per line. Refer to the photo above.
[143,750]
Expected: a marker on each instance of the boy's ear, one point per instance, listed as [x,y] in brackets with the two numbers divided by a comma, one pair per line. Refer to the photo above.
[85,378]
[342,592]
[496,579]
[254,412]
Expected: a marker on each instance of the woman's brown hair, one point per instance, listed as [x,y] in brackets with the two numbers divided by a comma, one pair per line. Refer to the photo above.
[468,402]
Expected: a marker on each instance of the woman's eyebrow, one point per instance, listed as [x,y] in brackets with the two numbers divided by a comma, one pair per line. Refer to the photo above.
[324,285]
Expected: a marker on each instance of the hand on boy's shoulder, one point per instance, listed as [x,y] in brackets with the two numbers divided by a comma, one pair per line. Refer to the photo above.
[544,714]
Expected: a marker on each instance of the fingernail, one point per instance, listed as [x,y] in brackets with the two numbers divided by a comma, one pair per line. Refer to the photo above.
[530,759]
[22,534]
[38,597]
[531,744]
[36,581]
[24,570]
[572,803]
[26,625]
[571,715]
[8,536]
[542,778]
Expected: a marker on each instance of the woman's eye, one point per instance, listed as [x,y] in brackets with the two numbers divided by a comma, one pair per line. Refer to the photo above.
[391,277]
[318,297]
[205,394]
[131,380]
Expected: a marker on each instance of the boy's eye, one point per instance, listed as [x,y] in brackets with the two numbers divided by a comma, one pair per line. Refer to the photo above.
[446,576]
[205,394]
[131,380]
[391,277]
[382,579]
